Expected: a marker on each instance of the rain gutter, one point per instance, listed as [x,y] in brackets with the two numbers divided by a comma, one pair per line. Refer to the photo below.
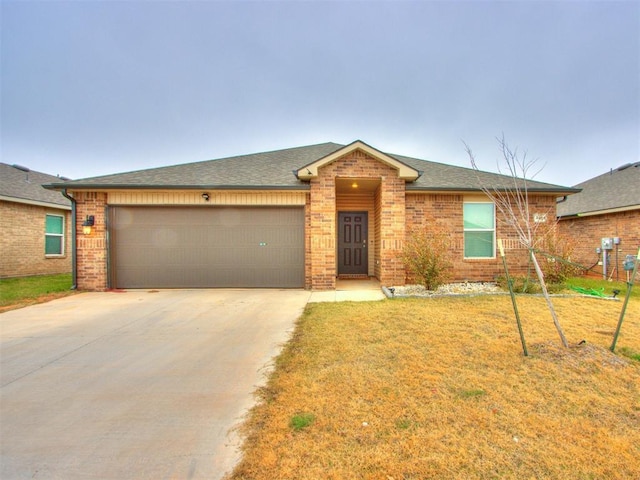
[74,266]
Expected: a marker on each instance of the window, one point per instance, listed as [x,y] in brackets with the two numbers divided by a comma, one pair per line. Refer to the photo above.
[54,235]
[479,230]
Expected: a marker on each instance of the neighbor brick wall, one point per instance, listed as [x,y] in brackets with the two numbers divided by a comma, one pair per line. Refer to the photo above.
[444,212]
[22,241]
[586,234]
[92,248]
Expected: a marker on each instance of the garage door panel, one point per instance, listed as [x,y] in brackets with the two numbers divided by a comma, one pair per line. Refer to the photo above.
[183,247]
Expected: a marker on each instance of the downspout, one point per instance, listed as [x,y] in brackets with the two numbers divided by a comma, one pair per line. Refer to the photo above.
[74,266]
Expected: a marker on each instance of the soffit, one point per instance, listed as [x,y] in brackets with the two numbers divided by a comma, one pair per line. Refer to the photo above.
[362,185]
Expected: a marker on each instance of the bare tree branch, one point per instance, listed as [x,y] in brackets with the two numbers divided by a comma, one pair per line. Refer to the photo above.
[512,202]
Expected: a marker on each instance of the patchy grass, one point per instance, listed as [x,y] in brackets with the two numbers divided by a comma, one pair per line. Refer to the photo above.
[605,286]
[301,421]
[22,291]
[439,388]
[628,352]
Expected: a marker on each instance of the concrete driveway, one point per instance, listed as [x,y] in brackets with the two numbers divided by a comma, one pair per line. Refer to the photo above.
[135,385]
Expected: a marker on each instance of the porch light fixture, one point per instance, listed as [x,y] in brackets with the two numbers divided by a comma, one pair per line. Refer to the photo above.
[87,224]
[205,195]
[354,185]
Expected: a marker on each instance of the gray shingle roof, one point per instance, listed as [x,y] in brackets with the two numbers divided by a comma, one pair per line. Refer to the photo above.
[618,188]
[26,186]
[268,169]
[439,176]
[275,170]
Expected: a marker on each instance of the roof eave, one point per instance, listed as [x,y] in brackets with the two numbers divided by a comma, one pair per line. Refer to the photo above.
[600,212]
[563,191]
[122,186]
[38,203]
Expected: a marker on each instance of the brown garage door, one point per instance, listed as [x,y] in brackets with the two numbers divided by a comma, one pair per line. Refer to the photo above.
[186,247]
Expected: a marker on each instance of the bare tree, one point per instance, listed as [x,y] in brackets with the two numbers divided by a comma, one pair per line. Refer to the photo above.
[512,201]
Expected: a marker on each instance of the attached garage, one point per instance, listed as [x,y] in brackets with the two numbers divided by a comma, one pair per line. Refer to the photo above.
[206,246]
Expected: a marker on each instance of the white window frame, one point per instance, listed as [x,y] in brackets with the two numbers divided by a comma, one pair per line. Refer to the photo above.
[492,229]
[61,235]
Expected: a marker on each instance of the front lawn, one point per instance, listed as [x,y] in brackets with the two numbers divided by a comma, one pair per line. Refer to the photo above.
[439,388]
[21,291]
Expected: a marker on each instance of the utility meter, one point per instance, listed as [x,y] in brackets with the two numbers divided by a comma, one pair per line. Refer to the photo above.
[607,243]
[629,261]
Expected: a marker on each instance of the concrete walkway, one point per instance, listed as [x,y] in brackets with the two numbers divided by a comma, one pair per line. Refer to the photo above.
[348,290]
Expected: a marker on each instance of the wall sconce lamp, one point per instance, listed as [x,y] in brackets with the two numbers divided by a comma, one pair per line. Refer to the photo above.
[87,224]
[205,195]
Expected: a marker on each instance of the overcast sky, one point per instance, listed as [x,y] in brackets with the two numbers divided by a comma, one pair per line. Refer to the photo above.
[100,87]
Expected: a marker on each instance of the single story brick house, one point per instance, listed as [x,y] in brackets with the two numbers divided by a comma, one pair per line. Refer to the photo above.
[293,218]
[607,207]
[35,224]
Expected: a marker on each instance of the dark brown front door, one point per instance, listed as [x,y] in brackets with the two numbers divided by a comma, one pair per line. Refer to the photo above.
[352,243]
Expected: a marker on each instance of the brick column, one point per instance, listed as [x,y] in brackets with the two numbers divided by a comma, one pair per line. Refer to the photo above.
[91,249]
[391,200]
[322,233]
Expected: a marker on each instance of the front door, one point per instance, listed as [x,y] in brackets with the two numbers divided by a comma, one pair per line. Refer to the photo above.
[352,243]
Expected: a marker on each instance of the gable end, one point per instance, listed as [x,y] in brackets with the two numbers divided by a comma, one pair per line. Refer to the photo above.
[405,171]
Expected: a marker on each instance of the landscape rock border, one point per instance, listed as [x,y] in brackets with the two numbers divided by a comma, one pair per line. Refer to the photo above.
[468,289]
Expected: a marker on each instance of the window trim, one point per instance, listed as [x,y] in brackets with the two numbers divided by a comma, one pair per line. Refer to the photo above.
[61,235]
[493,230]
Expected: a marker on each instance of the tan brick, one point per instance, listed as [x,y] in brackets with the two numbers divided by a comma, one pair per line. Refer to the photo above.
[22,241]
[586,233]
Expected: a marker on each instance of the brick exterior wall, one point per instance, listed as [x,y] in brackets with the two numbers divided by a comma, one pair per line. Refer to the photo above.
[587,232]
[22,241]
[92,248]
[444,212]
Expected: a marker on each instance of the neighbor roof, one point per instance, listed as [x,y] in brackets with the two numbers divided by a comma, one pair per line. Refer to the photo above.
[277,170]
[614,190]
[22,185]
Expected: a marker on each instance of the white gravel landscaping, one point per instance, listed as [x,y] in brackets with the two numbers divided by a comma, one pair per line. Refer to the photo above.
[449,289]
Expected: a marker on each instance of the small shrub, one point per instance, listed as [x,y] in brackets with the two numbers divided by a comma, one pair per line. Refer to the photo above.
[426,257]
[555,264]
[523,284]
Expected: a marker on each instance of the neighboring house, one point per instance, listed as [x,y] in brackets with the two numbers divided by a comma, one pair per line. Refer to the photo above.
[35,224]
[293,218]
[607,207]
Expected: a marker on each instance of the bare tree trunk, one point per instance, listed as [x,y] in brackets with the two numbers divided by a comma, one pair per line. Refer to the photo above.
[545,292]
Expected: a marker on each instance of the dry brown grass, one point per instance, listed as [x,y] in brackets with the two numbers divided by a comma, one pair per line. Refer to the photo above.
[439,388]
